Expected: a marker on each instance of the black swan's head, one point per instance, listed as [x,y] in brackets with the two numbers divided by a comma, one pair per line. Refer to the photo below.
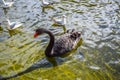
[39,31]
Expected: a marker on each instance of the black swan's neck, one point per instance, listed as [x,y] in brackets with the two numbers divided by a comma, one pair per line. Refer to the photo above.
[48,51]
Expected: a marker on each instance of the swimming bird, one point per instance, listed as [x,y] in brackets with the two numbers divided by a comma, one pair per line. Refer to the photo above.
[61,21]
[45,3]
[13,25]
[62,45]
[6,4]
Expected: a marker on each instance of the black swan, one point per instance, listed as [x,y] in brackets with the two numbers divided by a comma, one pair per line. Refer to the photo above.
[62,45]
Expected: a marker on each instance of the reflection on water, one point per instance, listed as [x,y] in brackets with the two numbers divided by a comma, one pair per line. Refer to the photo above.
[99,21]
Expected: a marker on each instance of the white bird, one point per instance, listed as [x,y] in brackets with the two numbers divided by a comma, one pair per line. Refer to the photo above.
[13,25]
[61,21]
[5,4]
[45,3]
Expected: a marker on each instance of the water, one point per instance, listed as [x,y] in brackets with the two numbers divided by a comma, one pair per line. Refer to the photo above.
[99,20]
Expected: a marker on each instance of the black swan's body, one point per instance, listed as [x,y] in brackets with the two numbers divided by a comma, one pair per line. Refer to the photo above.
[61,46]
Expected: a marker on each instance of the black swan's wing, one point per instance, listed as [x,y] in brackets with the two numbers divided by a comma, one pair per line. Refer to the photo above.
[66,43]
[63,45]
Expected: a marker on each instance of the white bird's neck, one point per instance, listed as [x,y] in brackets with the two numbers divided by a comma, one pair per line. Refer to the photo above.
[8,21]
[64,20]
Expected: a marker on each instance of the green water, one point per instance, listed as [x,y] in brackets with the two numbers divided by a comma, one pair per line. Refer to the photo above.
[99,20]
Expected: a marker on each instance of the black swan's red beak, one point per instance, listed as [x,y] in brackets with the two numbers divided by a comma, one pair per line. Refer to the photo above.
[36,34]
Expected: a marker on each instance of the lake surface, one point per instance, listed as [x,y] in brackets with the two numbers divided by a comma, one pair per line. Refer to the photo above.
[97,58]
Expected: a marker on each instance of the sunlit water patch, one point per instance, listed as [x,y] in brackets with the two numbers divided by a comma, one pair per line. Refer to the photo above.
[98,58]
